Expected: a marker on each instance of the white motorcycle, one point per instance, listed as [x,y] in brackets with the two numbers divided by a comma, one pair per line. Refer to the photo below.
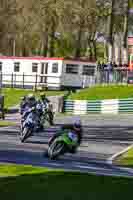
[28,124]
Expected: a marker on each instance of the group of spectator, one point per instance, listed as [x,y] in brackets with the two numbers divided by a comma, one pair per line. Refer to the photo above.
[110,66]
[111,73]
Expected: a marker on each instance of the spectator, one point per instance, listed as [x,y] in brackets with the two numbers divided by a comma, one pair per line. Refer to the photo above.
[98,66]
[120,65]
[104,66]
[109,72]
[110,66]
[114,65]
[105,73]
[126,66]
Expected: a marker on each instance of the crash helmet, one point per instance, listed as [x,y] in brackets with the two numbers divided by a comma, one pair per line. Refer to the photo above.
[31,97]
[77,125]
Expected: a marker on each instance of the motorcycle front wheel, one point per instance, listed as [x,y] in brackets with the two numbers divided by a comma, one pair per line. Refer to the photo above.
[26,132]
[56,149]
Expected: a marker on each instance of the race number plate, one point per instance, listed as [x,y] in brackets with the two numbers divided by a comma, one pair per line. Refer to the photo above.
[72,136]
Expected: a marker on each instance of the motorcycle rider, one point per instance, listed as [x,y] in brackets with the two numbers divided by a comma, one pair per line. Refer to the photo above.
[46,103]
[43,98]
[26,104]
[30,102]
[76,128]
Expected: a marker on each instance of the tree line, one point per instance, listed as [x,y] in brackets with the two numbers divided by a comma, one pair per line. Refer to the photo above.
[63,27]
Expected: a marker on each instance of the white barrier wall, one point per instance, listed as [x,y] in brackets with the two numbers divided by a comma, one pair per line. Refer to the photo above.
[110,106]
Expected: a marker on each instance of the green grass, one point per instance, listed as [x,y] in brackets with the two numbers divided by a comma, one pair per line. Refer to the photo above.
[40,183]
[6,123]
[103,92]
[15,170]
[125,159]
[12,96]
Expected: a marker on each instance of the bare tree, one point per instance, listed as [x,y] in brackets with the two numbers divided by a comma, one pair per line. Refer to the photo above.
[8,10]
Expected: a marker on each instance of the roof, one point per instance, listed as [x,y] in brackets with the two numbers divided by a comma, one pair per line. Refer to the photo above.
[48,58]
[30,58]
[80,59]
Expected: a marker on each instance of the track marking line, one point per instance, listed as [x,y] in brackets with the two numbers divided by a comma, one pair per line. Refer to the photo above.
[110,159]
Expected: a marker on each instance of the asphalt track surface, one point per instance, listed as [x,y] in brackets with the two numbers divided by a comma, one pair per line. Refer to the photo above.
[103,137]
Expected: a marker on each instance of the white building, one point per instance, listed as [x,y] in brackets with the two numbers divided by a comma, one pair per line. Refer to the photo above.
[56,73]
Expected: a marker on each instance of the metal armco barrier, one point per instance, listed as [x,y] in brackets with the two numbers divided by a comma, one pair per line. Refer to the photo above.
[112,106]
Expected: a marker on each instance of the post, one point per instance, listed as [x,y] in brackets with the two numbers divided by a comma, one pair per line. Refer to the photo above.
[2,107]
[36,82]
[12,80]
[127,76]
[23,80]
[1,83]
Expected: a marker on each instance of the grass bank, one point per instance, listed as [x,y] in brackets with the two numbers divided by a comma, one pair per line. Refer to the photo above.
[6,123]
[125,159]
[12,96]
[41,183]
[103,92]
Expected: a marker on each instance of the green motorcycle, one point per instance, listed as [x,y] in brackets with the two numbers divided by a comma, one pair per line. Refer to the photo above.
[62,144]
